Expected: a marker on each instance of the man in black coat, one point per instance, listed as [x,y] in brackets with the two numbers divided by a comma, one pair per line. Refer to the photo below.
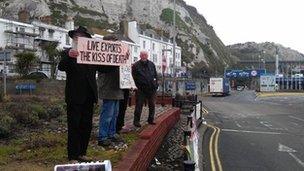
[80,96]
[145,78]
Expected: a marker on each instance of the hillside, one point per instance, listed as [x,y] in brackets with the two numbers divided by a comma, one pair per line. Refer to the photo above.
[266,50]
[199,42]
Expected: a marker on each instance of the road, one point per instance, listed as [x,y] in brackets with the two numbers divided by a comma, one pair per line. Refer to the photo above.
[256,133]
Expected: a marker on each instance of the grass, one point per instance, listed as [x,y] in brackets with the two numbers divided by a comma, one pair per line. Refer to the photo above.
[44,150]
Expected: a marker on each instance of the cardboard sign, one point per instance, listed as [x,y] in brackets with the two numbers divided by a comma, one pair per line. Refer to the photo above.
[101,52]
[97,166]
[125,77]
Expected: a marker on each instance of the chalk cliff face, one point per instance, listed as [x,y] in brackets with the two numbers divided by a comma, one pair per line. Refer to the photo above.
[200,44]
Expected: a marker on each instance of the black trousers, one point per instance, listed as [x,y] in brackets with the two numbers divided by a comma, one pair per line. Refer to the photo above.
[79,128]
[123,104]
[140,99]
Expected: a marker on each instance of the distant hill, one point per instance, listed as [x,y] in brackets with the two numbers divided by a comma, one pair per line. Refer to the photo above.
[267,51]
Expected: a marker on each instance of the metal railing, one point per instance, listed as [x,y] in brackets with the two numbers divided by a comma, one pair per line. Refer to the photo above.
[190,134]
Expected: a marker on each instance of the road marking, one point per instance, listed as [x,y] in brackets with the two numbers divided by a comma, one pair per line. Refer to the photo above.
[237,124]
[297,159]
[295,123]
[211,150]
[254,132]
[266,124]
[219,164]
[296,118]
[214,157]
[290,151]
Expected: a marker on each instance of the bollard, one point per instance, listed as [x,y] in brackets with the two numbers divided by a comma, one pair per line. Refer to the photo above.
[189,120]
[189,165]
[187,133]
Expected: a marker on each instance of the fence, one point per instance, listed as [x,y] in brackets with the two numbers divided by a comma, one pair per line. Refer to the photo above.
[191,135]
[288,83]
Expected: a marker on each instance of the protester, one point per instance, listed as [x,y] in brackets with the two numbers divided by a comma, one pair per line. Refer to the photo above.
[80,96]
[145,77]
[123,104]
[110,94]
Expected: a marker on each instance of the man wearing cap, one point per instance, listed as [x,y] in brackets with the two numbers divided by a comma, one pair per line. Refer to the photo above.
[80,96]
[145,78]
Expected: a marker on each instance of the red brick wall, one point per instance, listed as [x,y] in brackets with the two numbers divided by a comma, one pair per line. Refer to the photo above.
[143,151]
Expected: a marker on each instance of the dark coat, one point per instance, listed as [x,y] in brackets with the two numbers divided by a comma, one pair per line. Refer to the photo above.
[145,77]
[108,86]
[81,79]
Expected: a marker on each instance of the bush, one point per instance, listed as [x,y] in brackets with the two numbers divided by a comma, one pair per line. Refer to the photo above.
[55,111]
[23,114]
[25,62]
[6,124]
[40,110]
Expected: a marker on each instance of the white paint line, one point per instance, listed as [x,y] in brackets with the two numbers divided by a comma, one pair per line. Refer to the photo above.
[284,148]
[297,159]
[237,124]
[254,132]
[295,123]
[265,123]
[296,118]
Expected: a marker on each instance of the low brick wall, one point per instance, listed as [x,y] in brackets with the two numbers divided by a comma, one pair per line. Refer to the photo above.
[166,100]
[142,152]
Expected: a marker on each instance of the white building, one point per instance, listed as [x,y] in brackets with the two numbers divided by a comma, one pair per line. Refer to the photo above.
[48,34]
[18,36]
[156,46]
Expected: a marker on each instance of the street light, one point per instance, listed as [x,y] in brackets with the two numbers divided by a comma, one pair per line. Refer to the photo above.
[164,65]
[174,44]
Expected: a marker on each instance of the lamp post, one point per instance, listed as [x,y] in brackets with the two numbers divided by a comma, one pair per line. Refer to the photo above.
[164,65]
[174,44]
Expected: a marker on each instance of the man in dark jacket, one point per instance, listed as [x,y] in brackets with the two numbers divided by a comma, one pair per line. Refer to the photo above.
[145,78]
[80,96]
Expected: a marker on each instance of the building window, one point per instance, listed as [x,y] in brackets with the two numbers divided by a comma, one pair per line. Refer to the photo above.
[22,30]
[144,44]
[41,32]
[135,49]
[154,58]
[151,35]
[135,59]
[67,40]
[51,33]
[171,61]
[153,46]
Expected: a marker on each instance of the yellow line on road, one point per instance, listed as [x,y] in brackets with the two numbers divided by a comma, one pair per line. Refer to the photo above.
[211,150]
[219,163]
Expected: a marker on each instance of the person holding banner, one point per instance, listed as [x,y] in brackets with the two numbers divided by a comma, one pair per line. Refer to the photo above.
[80,96]
[110,93]
[145,77]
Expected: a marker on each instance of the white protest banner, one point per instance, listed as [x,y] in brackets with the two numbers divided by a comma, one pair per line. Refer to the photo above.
[125,77]
[101,52]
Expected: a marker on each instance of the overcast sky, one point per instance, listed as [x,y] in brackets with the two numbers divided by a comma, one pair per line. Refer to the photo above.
[239,21]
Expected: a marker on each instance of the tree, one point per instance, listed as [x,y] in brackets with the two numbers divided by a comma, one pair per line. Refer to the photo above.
[53,54]
[25,62]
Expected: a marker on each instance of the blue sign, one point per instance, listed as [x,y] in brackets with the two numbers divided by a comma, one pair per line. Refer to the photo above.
[190,86]
[26,86]
[244,73]
[5,55]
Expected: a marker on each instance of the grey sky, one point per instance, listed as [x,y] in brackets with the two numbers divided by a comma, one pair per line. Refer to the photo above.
[239,21]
